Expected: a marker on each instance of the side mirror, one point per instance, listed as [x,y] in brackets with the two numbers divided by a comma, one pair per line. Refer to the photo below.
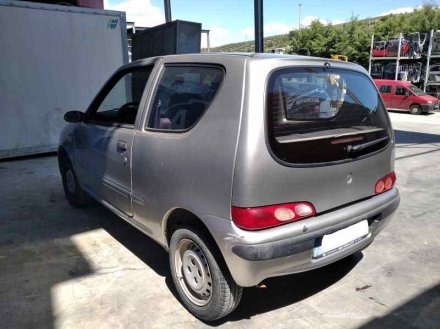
[74,116]
[407,93]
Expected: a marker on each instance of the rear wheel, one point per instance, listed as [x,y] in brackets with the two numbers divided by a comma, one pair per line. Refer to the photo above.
[415,109]
[204,285]
[75,195]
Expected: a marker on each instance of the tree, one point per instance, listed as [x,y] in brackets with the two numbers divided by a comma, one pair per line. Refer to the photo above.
[353,38]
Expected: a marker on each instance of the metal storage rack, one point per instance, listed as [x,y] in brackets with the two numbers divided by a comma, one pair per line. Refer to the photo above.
[429,56]
[397,59]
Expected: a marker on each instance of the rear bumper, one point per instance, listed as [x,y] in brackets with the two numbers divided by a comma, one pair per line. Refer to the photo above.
[254,256]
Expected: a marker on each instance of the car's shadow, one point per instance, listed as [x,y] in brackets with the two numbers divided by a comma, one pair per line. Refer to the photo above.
[146,249]
[287,290]
[279,292]
[409,114]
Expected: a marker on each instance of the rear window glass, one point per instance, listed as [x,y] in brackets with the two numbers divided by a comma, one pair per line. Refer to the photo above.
[319,115]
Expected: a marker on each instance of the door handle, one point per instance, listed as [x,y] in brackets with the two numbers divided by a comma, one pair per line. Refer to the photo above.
[121,146]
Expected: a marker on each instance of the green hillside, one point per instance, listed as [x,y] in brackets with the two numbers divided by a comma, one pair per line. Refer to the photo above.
[352,38]
[276,41]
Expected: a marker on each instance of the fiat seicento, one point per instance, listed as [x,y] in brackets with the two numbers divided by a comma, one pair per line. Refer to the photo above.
[243,167]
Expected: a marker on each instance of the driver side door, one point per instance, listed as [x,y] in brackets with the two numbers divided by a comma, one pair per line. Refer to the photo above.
[104,140]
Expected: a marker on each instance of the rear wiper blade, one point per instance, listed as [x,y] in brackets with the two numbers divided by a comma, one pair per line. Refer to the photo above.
[360,147]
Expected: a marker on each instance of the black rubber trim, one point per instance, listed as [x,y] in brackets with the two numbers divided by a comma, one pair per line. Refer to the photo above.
[291,246]
[427,107]
[272,250]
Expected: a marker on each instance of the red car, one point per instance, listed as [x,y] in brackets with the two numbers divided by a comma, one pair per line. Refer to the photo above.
[380,49]
[404,96]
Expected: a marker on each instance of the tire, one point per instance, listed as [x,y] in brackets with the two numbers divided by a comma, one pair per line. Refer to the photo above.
[75,195]
[415,109]
[202,281]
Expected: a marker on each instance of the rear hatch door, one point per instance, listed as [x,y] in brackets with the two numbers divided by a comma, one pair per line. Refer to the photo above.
[328,140]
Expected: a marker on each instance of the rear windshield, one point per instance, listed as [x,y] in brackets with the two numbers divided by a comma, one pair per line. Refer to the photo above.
[320,115]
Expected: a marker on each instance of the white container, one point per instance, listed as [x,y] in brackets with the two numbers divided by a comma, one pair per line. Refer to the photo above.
[52,59]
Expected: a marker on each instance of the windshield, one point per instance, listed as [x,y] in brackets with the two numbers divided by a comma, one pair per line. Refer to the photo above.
[416,91]
[316,113]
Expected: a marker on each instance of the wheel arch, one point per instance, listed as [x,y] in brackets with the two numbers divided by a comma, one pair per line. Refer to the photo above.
[414,103]
[63,156]
[228,292]
[181,217]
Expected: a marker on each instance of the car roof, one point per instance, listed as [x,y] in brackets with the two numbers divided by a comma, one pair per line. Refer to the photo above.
[392,82]
[234,57]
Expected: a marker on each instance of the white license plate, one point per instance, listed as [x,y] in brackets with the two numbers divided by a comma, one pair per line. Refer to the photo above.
[341,239]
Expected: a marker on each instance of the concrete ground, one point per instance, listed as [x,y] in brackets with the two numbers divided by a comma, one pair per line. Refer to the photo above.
[67,268]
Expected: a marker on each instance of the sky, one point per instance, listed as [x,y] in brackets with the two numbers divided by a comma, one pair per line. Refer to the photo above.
[232,20]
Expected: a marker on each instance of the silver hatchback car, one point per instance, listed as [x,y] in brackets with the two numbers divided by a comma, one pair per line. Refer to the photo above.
[242,166]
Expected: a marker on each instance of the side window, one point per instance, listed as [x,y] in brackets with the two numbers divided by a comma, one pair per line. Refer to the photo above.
[384,89]
[400,91]
[183,95]
[120,104]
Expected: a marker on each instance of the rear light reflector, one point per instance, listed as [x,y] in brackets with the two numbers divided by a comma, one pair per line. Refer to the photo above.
[388,183]
[380,186]
[385,183]
[304,209]
[257,218]
[284,214]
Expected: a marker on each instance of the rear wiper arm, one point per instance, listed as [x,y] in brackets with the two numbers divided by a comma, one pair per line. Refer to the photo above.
[360,147]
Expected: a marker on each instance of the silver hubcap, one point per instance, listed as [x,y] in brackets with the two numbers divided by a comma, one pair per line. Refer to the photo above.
[70,181]
[193,273]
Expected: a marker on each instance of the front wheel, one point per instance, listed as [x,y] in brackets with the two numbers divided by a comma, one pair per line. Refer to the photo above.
[204,285]
[415,109]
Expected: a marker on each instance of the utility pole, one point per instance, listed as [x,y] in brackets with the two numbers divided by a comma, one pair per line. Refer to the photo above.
[167,7]
[208,41]
[299,16]
[258,18]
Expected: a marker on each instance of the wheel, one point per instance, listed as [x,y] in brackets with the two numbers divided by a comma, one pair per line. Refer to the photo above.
[415,109]
[203,283]
[75,195]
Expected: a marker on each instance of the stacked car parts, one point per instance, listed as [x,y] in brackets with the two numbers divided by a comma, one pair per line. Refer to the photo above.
[411,46]
[403,58]
[411,72]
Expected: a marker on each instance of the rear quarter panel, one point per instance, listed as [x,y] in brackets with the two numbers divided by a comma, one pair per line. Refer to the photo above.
[191,170]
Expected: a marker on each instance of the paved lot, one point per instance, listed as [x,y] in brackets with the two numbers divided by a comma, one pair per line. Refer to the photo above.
[66,268]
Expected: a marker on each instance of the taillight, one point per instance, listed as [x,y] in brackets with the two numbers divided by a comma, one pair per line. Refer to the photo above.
[385,183]
[269,216]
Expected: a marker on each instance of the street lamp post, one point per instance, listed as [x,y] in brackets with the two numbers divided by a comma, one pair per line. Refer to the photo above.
[258,15]
[167,7]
